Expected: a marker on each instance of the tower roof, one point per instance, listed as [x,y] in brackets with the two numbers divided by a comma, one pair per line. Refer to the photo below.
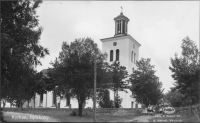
[121,16]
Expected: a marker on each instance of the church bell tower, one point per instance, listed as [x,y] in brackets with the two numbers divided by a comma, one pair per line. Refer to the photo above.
[125,49]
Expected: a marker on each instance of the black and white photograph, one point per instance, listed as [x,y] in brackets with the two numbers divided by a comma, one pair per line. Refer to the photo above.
[100,61]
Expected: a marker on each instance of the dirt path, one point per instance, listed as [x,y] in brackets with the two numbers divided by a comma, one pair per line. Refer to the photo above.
[22,117]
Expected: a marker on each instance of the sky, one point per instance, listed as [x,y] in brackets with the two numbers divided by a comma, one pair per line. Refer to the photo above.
[159,26]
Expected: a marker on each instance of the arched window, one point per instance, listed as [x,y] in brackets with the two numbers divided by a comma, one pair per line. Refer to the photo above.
[117,55]
[111,55]
[132,56]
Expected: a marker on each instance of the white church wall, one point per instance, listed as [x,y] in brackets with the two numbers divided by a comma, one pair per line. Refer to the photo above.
[25,104]
[37,99]
[32,103]
[122,45]
[6,105]
[125,45]
[126,102]
[63,103]
[124,54]
[74,103]
[45,100]
[89,104]
[136,51]
[49,100]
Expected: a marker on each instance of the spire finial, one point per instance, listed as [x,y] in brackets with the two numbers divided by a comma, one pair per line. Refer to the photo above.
[121,10]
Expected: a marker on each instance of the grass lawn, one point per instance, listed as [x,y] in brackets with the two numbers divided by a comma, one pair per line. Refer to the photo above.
[108,118]
[179,117]
[66,117]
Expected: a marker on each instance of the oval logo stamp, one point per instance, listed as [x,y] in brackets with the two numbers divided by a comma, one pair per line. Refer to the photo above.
[169,110]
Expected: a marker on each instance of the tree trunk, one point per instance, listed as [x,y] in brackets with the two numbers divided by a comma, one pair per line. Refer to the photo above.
[55,99]
[117,100]
[34,100]
[21,105]
[4,103]
[56,104]
[80,109]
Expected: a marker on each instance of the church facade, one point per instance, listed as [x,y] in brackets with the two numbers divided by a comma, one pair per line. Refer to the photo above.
[121,47]
[125,49]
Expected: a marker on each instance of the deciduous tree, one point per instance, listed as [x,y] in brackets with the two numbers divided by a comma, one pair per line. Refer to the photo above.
[185,71]
[145,87]
[119,76]
[75,66]
[175,98]
[20,49]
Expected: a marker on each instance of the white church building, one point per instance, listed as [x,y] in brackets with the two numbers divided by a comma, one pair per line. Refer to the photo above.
[123,48]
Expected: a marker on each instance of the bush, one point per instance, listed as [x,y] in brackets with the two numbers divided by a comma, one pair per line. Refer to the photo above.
[87,112]
[104,99]
[74,112]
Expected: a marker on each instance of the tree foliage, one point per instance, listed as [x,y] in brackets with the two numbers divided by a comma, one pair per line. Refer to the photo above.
[175,98]
[104,99]
[146,87]
[75,67]
[119,76]
[185,71]
[117,101]
[20,49]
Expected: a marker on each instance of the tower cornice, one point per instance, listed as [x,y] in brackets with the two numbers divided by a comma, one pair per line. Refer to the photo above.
[121,37]
[121,17]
